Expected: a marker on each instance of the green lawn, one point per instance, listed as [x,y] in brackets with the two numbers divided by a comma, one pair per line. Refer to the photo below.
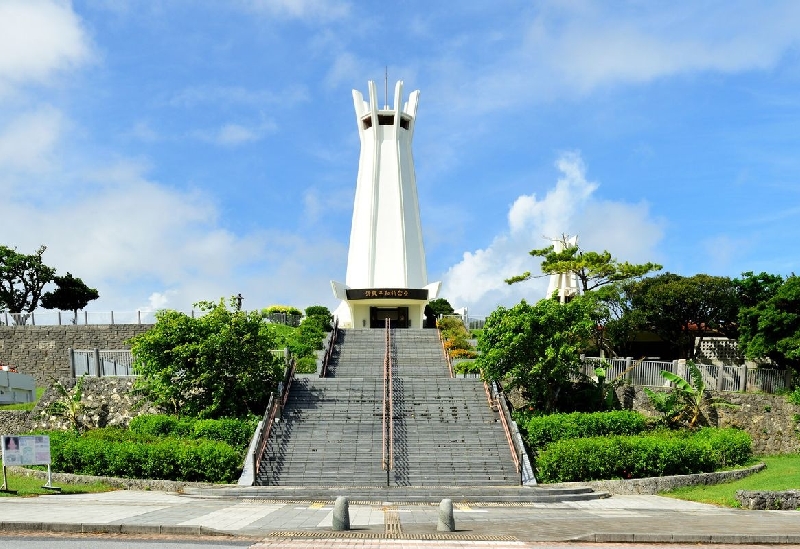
[781,473]
[31,486]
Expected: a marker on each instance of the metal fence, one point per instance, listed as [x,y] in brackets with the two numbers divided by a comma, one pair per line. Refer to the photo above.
[84,318]
[647,373]
[101,363]
[118,363]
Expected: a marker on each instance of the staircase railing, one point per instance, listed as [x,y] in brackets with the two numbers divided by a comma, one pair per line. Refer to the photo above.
[446,354]
[496,403]
[387,462]
[329,351]
[276,402]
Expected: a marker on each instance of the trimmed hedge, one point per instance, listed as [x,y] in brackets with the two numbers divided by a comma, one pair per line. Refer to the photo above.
[659,454]
[542,430]
[234,432]
[165,458]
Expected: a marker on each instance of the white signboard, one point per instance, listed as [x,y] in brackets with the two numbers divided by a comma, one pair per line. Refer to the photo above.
[25,450]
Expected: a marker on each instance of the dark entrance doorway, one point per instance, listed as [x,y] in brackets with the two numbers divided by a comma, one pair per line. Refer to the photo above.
[398,316]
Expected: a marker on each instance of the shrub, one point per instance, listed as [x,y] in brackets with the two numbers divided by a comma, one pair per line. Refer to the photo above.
[659,454]
[542,430]
[282,310]
[463,353]
[166,458]
[306,365]
[234,432]
[466,367]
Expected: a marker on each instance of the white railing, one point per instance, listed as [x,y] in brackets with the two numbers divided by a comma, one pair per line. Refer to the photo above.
[101,363]
[67,318]
[647,373]
[84,318]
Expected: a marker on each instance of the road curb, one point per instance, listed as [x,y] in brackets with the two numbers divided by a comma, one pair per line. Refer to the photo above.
[98,528]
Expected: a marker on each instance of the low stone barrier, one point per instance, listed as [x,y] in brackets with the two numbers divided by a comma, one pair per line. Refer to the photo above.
[115,482]
[655,485]
[788,500]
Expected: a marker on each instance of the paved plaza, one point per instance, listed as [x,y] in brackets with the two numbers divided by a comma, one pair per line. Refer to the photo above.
[308,524]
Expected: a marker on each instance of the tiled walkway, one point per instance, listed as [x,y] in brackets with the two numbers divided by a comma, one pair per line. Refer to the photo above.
[277,524]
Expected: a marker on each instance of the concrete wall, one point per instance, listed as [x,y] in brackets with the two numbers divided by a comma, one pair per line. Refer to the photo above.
[41,351]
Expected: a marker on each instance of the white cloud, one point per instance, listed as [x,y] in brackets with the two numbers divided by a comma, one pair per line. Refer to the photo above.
[37,40]
[570,49]
[231,135]
[27,141]
[202,95]
[627,230]
[324,10]
[146,246]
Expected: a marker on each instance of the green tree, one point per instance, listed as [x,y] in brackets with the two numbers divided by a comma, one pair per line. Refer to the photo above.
[22,278]
[755,288]
[440,306]
[679,309]
[536,347]
[216,365]
[592,269]
[71,295]
[617,322]
[771,328]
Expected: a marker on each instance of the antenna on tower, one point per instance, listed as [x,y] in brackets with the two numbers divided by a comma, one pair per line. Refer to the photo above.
[386,88]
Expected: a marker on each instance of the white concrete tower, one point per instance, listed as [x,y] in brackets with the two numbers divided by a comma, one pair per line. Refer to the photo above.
[386,272]
[565,285]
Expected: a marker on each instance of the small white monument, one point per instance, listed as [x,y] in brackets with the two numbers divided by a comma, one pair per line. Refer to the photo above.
[564,284]
[386,273]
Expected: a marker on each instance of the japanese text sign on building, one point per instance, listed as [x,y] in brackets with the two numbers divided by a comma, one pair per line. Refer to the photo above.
[25,450]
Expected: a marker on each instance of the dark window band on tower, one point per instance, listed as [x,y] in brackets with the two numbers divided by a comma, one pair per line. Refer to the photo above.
[367,122]
[386,119]
[404,122]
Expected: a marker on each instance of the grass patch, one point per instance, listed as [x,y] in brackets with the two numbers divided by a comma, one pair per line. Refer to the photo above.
[782,473]
[31,486]
[27,406]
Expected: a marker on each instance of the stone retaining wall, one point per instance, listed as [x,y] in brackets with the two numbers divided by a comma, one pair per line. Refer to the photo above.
[655,485]
[13,422]
[110,401]
[788,500]
[41,351]
[769,419]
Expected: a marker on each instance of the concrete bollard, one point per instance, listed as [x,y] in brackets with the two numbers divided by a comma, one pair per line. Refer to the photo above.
[341,514]
[446,521]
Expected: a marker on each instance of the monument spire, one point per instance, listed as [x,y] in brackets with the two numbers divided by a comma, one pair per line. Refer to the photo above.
[386,271]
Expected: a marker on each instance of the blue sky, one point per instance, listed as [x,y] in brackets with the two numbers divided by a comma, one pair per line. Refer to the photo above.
[173,151]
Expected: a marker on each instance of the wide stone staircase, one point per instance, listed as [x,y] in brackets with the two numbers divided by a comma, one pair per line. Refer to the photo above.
[443,431]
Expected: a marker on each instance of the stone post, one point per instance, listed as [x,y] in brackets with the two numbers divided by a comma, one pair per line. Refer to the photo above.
[720,377]
[97,362]
[71,353]
[446,521]
[628,364]
[743,378]
[341,515]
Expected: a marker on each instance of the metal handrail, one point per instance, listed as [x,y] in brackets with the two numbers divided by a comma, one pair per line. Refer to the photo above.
[273,406]
[384,461]
[446,354]
[263,435]
[502,412]
[391,395]
[329,351]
